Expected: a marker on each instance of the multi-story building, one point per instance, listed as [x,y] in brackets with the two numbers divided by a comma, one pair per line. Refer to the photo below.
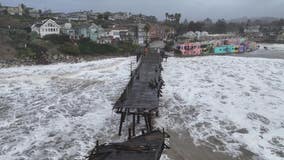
[92,31]
[141,35]
[67,29]
[46,27]
[157,32]
[252,29]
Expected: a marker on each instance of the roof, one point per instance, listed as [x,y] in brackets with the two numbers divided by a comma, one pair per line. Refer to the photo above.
[39,24]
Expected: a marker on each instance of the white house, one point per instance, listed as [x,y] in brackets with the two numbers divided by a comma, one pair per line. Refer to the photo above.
[46,27]
[141,34]
[252,29]
[114,34]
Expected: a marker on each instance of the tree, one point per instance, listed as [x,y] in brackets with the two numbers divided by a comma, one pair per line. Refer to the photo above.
[106,15]
[69,48]
[100,16]
[208,21]
[241,30]
[248,22]
[195,26]
[221,26]
[177,17]
[167,15]
[185,21]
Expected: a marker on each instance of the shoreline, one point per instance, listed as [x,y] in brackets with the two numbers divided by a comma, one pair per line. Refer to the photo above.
[8,63]
[183,148]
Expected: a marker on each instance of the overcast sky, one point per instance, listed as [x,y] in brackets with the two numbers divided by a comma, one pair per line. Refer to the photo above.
[190,9]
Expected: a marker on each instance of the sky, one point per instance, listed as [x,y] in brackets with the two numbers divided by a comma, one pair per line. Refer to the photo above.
[190,9]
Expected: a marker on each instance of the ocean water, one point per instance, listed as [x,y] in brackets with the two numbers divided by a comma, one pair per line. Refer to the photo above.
[59,111]
[226,103]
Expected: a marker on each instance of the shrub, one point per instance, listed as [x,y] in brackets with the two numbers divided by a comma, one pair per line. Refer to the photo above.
[37,48]
[89,47]
[126,47]
[57,39]
[69,48]
[177,52]
[27,52]
[169,46]
[19,35]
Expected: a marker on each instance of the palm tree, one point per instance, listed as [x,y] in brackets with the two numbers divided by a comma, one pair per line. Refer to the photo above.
[167,14]
[177,17]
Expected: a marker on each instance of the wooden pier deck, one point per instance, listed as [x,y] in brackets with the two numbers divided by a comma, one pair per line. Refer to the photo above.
[140,99]
[141,96]
[145,147]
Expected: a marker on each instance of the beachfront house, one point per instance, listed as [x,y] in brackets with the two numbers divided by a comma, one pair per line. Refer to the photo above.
[114,33]
[92,31]
[141,35]
[82,31]
[46,27]
[67,29]
[95,32]
[157,32]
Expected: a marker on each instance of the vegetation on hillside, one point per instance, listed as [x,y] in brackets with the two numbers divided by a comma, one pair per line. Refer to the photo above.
[15,33]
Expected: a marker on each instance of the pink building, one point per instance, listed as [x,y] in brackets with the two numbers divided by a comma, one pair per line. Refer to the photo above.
[190,49]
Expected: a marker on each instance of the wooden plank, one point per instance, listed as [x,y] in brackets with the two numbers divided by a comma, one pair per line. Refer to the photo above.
[148,146]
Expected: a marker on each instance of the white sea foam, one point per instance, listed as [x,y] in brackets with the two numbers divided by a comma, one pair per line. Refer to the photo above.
[59,111]
[227,103]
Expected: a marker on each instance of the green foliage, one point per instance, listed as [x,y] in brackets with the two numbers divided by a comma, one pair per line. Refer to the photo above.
[195,26]
[19,35]
[169,46]
[57,39]
[221,26]
[126,47]
[177,52]
[37,48]
[69,48]
[18,22]
[33,36]
[26,52]
[90,47]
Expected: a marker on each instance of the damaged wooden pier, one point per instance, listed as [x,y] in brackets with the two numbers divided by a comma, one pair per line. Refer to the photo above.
[140,100]
[141,96]
[145,147]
